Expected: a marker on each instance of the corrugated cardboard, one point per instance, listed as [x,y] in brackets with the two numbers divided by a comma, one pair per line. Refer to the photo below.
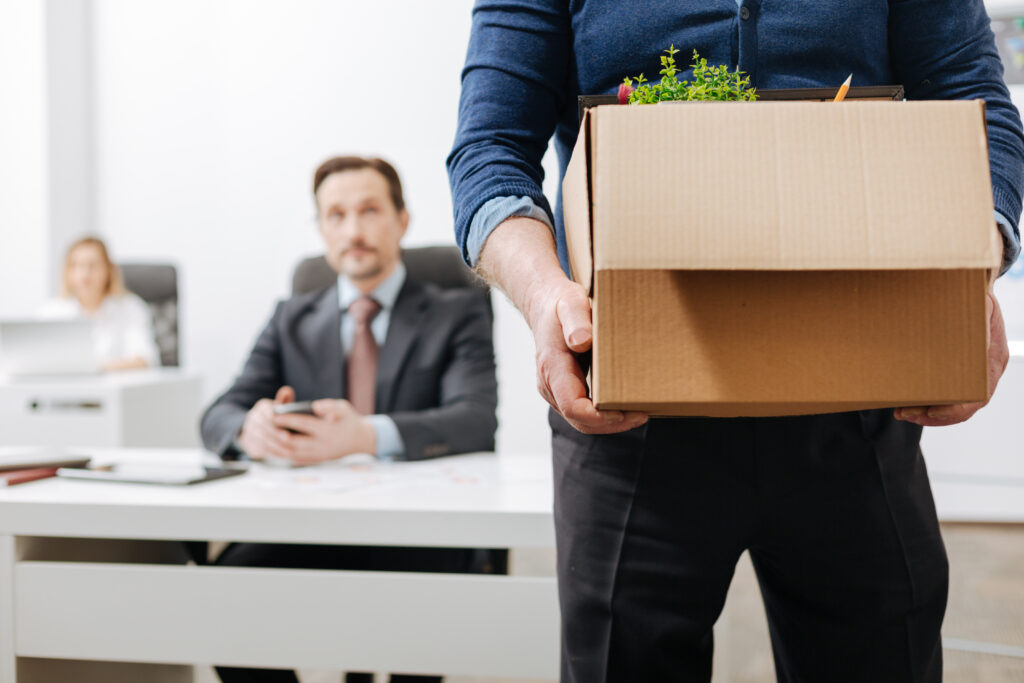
[782,258]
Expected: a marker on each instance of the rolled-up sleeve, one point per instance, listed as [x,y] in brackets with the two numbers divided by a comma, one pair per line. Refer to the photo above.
[494,213]
[1011,245]
[514,86]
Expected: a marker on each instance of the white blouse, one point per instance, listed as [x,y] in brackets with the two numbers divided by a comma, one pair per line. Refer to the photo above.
[122,326]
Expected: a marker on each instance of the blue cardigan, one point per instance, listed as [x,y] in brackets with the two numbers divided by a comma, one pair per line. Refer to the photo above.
[529,59]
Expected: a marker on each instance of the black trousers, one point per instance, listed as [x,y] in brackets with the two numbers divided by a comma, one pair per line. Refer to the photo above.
[837,514]
[279,555]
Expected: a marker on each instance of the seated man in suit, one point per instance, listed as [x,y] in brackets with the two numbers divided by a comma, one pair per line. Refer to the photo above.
[396,368]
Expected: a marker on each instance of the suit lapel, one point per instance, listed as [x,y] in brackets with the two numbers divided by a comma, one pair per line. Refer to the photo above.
[320,335]
[403,331]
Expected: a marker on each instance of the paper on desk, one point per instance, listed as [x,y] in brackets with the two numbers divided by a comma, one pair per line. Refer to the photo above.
[362,472]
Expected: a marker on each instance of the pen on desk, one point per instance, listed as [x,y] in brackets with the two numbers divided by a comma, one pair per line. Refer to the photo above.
[24,476]
[843,89]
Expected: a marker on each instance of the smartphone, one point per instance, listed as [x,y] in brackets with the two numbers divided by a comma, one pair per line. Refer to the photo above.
[297,408]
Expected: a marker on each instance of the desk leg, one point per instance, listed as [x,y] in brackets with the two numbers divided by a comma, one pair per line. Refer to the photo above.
[8,662]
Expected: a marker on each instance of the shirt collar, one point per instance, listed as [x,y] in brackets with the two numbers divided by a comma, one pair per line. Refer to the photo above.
[385,293]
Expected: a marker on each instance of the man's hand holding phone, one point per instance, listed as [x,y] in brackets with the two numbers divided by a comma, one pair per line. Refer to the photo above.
[332,430]
[260,438]
[305,433]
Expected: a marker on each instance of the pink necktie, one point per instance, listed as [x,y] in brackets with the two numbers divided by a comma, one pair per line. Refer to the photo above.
[362,359]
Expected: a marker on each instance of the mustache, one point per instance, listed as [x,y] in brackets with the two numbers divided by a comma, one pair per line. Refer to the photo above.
[357,245]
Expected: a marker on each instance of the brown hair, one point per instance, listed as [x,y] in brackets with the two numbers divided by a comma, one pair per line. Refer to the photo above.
[341,164]
[115,283]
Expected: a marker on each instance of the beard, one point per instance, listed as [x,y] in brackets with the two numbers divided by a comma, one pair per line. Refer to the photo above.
[367,265]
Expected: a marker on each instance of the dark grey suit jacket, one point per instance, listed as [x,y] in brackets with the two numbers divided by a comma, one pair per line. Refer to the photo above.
[435,373]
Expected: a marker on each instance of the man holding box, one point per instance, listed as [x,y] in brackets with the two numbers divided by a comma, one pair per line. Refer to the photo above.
[651,517]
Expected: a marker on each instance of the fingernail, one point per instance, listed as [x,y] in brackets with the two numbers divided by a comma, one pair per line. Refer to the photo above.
[578,337]
[912,412]
[938,413]
[614,418]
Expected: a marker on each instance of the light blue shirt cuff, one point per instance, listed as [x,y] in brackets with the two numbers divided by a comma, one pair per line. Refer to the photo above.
[389,441]
[1011,245]
[494,213]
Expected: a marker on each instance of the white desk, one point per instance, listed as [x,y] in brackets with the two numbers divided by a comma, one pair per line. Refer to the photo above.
[117,611]
[977,467]
[158,407]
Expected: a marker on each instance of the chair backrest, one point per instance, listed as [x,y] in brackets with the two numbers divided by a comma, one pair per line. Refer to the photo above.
[439,265]
[157,285]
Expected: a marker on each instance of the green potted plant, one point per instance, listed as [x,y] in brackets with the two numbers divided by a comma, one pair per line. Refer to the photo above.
[710,83]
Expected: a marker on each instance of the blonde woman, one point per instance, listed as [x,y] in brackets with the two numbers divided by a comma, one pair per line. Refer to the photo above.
[92,288]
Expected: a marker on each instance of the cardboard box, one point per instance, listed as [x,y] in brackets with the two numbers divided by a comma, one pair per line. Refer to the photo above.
[779,258]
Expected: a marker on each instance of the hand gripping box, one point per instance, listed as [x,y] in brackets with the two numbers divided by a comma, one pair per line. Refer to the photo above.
[780,258]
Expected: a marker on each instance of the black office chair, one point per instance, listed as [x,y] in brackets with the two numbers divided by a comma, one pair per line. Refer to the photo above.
[157,285]
[439,265]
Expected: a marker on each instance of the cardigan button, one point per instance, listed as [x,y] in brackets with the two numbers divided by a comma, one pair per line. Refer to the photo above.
[744,13]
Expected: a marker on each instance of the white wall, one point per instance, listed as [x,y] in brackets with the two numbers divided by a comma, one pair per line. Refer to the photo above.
[46,138]
[210,119]
[24,278]
[70,126]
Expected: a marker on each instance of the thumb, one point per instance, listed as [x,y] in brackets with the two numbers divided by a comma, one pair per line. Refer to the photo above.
[573,311]
[285,395]
[331,409]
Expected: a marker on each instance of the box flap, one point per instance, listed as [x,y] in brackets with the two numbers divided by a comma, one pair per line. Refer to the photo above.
[576,208]
[785,186]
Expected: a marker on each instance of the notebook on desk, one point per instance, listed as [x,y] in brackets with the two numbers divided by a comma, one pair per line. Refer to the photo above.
[47,347]
[138,473]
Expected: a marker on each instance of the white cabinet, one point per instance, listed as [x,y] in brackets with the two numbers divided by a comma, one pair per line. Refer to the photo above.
[977,467]
[145,408]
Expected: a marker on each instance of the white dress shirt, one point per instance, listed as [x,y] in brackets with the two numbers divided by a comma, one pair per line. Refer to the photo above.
[122,326]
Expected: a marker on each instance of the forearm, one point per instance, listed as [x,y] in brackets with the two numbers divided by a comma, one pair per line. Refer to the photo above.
[463,427]
[220,426]
[520,258]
